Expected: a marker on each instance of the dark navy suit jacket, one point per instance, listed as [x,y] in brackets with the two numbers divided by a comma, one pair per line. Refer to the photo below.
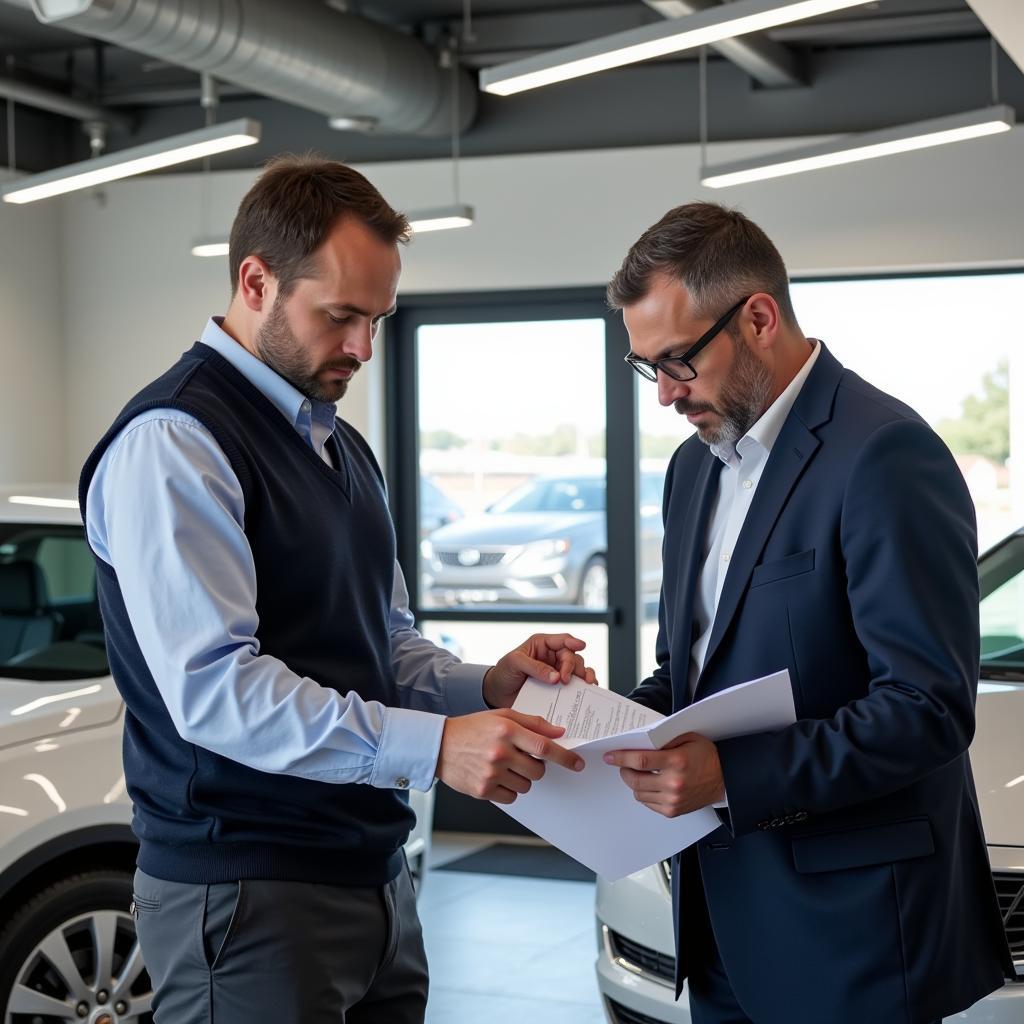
[851,880]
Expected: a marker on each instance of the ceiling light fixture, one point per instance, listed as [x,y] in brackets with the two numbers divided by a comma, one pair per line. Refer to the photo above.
[210,247]
[458,214]
[711,25]
[865,146]
[136,160]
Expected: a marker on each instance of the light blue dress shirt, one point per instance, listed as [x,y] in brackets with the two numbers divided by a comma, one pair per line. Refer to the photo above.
[166,510]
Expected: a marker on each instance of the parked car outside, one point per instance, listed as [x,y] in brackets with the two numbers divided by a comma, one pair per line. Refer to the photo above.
[67,854]
[545,542]
[636,952]
[436,508]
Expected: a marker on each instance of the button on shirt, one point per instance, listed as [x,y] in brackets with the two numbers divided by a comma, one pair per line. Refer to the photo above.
[166,510]
[737,484]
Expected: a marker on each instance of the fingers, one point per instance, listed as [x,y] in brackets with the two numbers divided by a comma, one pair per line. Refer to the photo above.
[503,796]
[534,723]
[557,641]
[531,741]
[638,760]
[521,662]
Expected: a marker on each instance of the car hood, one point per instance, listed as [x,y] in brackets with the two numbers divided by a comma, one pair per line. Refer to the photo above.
[997,756]
[33,711]
[513,528]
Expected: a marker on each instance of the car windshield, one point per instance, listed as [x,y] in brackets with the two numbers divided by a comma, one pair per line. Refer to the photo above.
[50,627]
[1001,574]
[571,494]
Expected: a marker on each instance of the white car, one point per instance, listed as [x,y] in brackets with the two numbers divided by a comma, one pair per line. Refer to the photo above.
[67,941]
[636,951]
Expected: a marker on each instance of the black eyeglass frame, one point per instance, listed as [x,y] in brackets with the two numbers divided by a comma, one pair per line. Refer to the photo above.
[649,371]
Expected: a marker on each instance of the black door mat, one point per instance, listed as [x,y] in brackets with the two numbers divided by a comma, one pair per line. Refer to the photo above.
[516,859]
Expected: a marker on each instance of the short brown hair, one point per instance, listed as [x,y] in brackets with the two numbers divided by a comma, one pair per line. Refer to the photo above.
[289,211]
[717,254]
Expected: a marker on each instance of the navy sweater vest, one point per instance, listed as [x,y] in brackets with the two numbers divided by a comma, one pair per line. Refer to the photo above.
[324,551]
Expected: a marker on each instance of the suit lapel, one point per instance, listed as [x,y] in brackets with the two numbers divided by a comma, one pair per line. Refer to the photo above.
[691,557]
[792,452]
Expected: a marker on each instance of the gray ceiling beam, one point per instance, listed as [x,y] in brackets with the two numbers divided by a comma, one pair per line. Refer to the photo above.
[895,28]
[60,103]
[769,62]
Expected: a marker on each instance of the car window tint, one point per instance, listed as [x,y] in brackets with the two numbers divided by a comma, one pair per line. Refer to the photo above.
[50,626]
[1002,610]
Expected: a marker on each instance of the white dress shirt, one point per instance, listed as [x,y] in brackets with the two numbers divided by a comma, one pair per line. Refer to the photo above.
[737,484]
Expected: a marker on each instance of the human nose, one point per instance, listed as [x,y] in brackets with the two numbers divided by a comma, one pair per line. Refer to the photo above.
[670,390]
[359,342]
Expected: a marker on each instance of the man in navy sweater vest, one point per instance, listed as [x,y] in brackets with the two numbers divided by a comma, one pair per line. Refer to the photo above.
[280,703]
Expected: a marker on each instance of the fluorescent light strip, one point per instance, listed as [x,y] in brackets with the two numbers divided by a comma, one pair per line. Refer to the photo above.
[135,160]
[210,247]
[867,146]
[25,499]
[442,218]
[711,25]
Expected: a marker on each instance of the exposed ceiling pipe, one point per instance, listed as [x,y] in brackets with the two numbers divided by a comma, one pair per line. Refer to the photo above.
[58,103]
[300,52]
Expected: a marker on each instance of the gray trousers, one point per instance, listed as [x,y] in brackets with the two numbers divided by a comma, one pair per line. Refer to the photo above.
[250,952]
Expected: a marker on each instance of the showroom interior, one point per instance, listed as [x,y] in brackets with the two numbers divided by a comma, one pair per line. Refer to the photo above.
[524,461]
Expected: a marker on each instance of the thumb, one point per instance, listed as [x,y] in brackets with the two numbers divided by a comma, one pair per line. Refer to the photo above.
[536,724]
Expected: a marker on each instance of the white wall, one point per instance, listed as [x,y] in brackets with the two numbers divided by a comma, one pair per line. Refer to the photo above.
[136,298]
[32,378]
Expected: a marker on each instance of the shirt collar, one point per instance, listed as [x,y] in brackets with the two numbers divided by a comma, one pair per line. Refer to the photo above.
[766,430]
[313,420]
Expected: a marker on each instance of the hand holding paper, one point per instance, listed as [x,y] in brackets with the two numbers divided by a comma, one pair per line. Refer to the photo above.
[682,777]
[498,755]
[591,814]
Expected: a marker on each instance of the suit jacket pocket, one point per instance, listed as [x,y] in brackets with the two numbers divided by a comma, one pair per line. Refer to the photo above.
[860,847]
[782,568]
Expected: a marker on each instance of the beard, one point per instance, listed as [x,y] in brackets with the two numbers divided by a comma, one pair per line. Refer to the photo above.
[281,350]
[743,399]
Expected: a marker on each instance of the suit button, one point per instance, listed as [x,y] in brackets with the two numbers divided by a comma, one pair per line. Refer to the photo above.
[776,823]
[762,825]
[800,816]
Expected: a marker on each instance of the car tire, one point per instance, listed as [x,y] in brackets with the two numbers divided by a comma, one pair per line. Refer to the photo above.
[593,589]
[48,952]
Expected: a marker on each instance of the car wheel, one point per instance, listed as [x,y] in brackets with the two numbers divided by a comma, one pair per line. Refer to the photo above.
[594,584]
[70,953]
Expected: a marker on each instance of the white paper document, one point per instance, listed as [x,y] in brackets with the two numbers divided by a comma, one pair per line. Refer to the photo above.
[592,815]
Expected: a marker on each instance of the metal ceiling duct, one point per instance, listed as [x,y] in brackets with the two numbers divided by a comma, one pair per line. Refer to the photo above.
[300,52]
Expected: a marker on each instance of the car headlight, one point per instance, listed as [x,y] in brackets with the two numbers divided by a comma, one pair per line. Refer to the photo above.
[426,550]
[542,550]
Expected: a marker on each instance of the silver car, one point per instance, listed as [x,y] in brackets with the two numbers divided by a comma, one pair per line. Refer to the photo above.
[543,543]
[67,941]
[636,954]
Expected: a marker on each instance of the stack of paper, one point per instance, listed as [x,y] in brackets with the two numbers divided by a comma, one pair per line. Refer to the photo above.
[592,815]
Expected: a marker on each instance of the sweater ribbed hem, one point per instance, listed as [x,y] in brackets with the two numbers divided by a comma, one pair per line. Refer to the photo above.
[209,863]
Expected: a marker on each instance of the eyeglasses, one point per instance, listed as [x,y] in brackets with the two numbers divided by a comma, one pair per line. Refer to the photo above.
[678,367]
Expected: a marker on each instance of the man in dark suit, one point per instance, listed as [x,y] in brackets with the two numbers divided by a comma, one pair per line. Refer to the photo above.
[818,525]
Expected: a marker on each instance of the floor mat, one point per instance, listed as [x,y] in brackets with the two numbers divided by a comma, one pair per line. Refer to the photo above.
[516,859]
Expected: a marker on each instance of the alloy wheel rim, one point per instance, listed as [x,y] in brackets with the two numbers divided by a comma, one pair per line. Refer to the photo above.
[89,969]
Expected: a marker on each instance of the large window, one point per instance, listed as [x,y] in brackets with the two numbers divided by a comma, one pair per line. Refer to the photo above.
[949,346]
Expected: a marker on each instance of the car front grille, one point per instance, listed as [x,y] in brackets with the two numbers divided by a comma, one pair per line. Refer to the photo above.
[650,961]
[1010,890]
[486,558]
[624,1015]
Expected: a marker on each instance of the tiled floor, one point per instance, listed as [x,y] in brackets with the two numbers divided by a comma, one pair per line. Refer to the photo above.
[507,949]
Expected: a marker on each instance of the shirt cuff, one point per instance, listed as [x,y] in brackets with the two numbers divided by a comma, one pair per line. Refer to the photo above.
[410,742]
[464,689]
